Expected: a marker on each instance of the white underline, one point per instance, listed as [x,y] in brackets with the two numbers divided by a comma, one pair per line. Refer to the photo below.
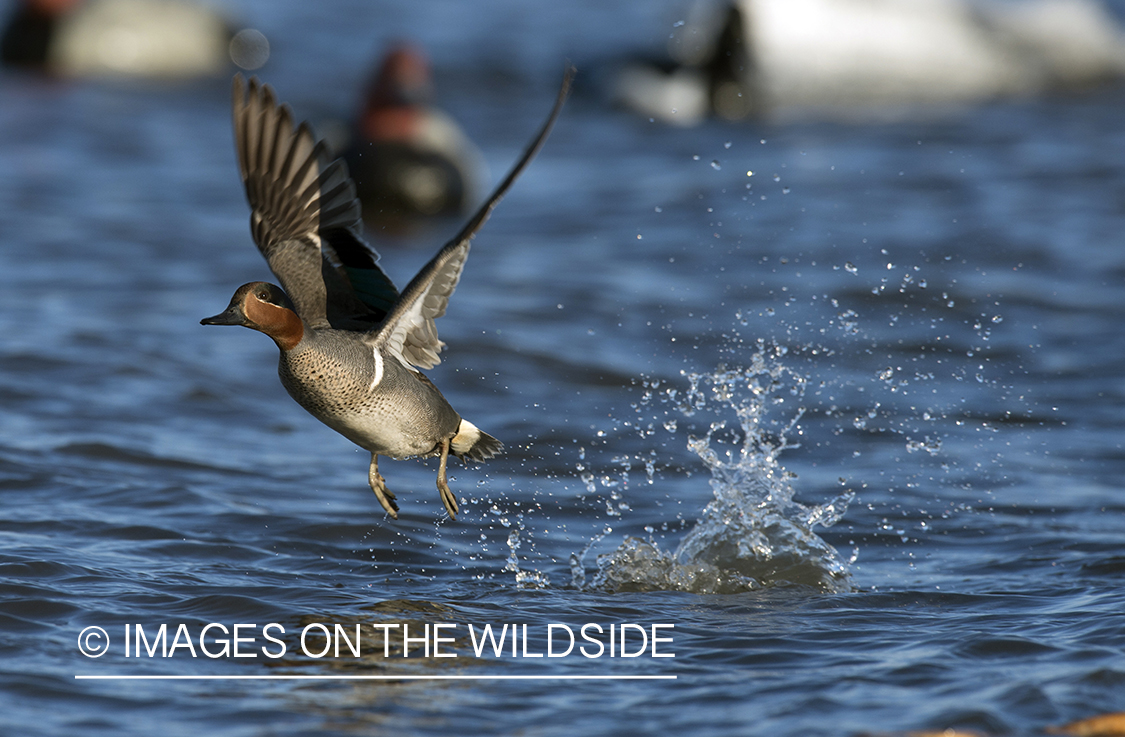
[375,678]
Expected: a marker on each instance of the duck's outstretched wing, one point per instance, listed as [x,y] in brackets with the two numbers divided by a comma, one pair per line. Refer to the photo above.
[409,331]
[305,217]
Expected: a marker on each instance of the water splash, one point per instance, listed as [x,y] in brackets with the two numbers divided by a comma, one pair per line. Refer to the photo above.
[525,578]
[752,533]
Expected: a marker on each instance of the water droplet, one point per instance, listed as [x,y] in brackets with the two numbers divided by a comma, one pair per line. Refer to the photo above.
[851,268]
[249,49]
[929,445]
[716,165]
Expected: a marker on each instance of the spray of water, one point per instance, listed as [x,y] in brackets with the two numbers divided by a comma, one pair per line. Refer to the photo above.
[752,533]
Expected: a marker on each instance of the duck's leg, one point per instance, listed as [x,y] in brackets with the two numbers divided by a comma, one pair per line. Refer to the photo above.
[385,496]
[447,497]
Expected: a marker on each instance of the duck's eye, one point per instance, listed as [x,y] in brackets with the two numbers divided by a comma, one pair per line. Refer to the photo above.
[263,295]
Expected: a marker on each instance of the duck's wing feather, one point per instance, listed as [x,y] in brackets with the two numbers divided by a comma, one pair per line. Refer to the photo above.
[408,331]
[305,217]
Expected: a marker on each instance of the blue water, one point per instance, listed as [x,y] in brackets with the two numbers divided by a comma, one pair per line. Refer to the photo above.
[852,424]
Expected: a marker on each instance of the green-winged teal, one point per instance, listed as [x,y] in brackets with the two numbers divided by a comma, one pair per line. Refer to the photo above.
[351,344]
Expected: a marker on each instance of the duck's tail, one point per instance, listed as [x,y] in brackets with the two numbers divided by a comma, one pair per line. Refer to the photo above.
[472,443]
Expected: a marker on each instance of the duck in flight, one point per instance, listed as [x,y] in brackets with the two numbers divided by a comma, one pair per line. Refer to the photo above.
[351,344]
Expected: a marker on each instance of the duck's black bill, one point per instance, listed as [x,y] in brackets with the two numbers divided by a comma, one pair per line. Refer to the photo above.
[228,317]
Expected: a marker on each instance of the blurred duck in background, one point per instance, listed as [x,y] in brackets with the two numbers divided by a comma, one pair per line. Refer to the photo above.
[410,161]
[867,59]
[126,38]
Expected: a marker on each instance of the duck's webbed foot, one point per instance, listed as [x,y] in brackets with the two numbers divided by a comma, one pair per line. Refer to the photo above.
[385,496]
[447,497]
